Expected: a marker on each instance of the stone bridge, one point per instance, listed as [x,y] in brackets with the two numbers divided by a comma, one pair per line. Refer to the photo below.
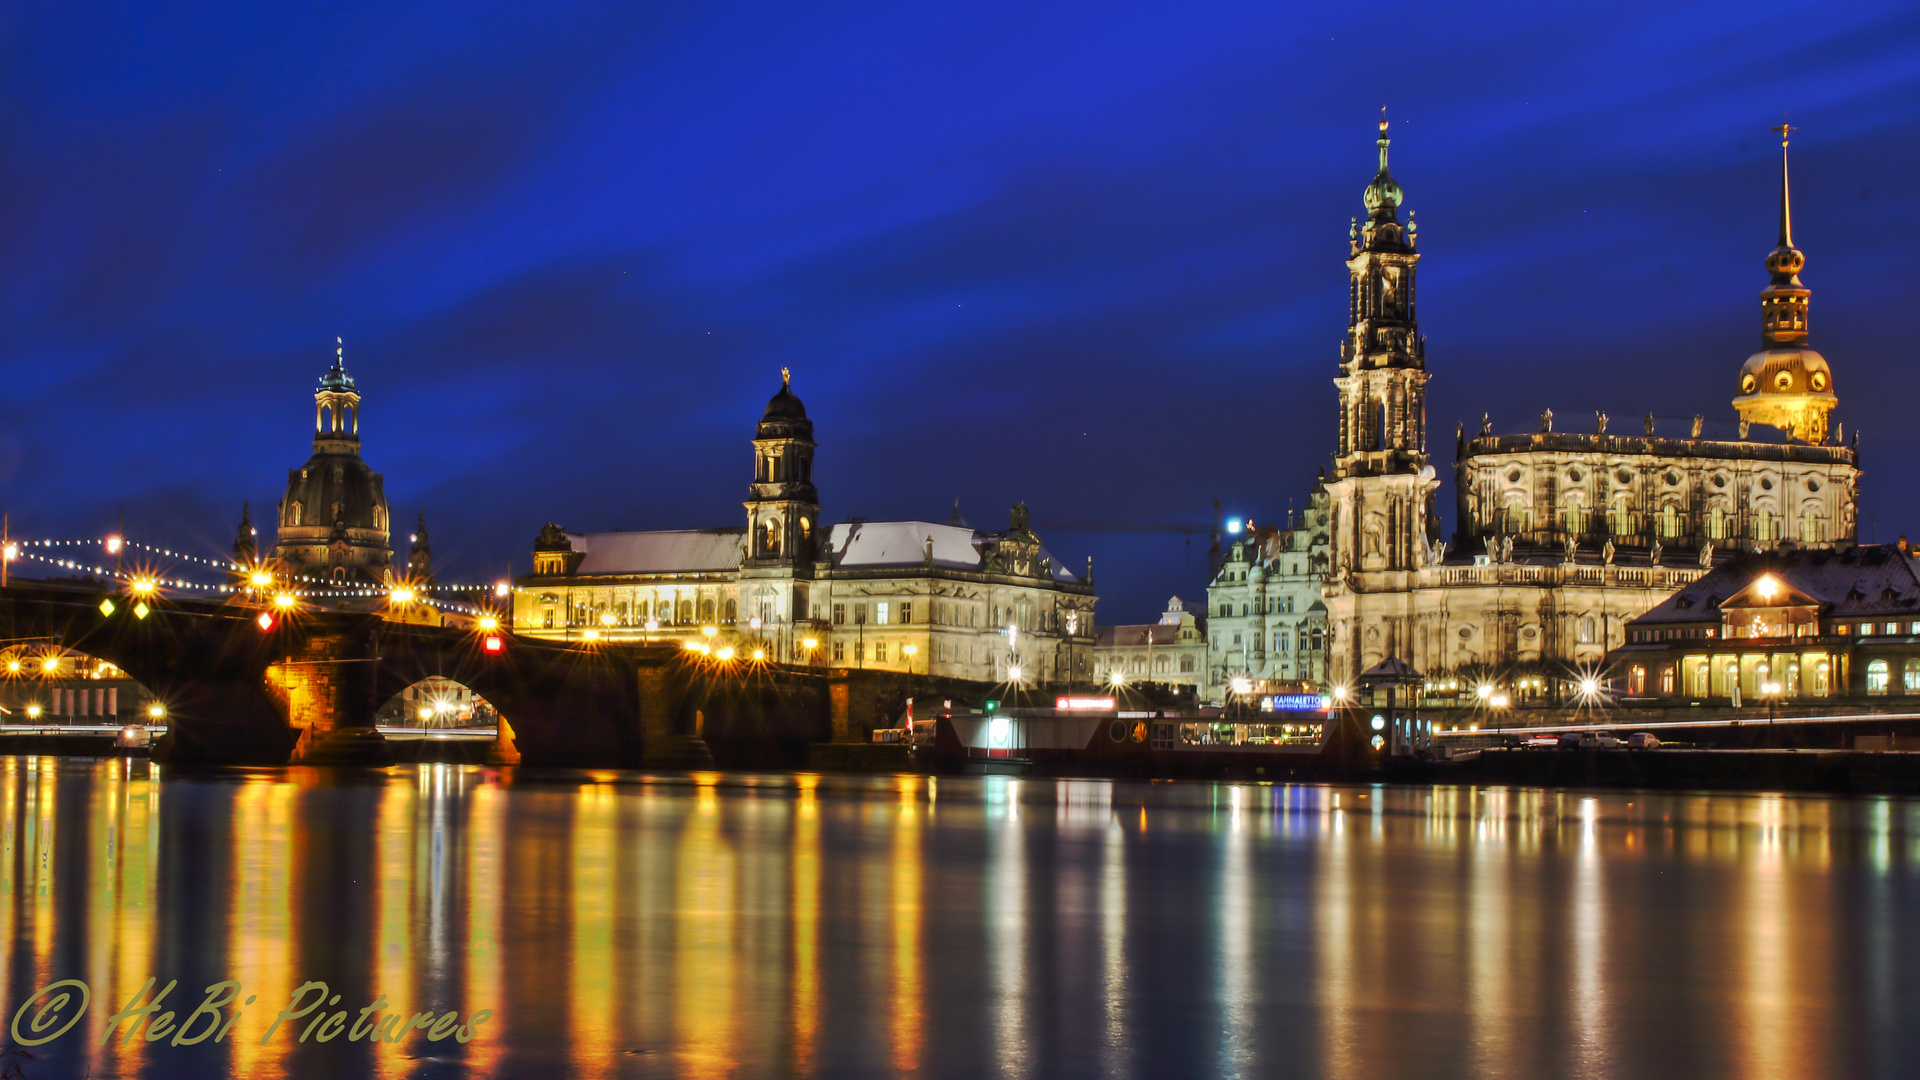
[306,690]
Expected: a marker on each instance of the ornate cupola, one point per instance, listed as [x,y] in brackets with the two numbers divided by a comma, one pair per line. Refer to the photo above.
[783,508]
[333,522]
[1786,384]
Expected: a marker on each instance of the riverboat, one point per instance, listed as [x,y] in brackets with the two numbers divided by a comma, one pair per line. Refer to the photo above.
[1091,735]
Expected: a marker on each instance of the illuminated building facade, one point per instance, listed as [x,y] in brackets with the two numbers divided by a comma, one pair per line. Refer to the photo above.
[1807,624]
[910,596]
[1267,623]
[1562,539]
[1172,652]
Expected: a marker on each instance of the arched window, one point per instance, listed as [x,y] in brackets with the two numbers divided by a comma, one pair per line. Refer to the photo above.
[1671,521]
[1811,530]
[1515,518]
[1588,630]
[1877,677]
[1910,676]
[1666,679]
[1636,680]
[1765,529]
[686,611]
[1573,519]
[1716,524]
[733,610]
[1619,517]
[706,610]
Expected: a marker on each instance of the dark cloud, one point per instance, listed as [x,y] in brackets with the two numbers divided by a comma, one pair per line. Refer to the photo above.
[1089,256]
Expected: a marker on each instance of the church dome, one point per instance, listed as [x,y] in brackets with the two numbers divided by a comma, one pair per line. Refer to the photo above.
[785,406]
[334,520]
[1791,370]
[785,417]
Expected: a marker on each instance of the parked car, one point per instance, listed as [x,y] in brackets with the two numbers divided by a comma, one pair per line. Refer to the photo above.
[1589,740]
[1642,740]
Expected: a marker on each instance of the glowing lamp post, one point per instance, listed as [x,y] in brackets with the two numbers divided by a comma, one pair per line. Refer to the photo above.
[908,651]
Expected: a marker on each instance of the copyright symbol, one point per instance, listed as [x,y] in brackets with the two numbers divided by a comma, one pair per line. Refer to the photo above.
[55,1005]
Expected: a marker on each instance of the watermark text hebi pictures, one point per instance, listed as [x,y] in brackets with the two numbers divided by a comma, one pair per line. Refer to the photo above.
[57,1007]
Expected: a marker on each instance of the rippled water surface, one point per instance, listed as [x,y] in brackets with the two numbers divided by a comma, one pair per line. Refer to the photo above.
[718,925]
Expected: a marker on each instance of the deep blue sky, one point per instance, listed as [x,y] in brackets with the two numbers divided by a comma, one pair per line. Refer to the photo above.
[1088,255]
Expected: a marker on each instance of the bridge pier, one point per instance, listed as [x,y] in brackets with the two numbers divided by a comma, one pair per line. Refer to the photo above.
[327,680]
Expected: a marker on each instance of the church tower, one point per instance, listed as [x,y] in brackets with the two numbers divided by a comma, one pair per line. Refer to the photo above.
[1786,385]
[783,509]
[1382,488]
[333,524]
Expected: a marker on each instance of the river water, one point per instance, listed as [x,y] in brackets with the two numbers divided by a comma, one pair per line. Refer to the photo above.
[718,925]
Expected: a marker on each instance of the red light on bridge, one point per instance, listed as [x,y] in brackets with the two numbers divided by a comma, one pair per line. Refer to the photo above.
[265,620]
[494,643]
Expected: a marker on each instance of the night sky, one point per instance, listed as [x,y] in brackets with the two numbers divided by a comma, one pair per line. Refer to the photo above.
[1088,255]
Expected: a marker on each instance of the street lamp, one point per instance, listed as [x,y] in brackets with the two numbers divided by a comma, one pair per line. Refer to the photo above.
[909,651]
[1499,703]
[1770,691]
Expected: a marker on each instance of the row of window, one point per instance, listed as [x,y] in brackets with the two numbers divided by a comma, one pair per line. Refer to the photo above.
[1879,679]
[1272,605]
[1311,640]
[1137,665]
[664,612]
[901,613]
[1670,523]
[1876,628]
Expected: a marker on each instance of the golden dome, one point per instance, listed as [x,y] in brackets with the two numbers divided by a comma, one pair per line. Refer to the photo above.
[1790,388]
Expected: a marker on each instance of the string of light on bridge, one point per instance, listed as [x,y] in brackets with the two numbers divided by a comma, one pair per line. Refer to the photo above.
[326,589]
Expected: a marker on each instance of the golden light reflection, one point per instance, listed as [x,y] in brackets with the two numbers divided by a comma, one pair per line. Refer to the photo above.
[703,957]
[596,997]
[806,927]
[905,1004]
[260,934]
[726,927]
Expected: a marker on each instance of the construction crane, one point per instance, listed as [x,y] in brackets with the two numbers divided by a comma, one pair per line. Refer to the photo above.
[1112,525]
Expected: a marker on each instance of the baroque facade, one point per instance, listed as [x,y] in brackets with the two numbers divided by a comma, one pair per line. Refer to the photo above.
[1266,621]
[1562,539]
[911,596]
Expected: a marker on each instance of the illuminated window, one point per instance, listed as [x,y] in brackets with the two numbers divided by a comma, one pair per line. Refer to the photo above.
[1765,529]
[1877,677]
[1666,679]
[880,613]
[839,650]
[1672,521]
[879,652]
[1636,680]
[1910,675]
[1893,628]
[1812,529]
[1717,524]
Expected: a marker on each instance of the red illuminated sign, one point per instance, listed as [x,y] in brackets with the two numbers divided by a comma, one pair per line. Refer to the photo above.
[1078,703]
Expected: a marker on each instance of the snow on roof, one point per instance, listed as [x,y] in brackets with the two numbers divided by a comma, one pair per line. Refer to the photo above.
[902,543]
[669,551]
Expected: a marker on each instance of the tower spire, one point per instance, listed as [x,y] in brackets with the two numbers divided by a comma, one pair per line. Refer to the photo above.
[1786,202]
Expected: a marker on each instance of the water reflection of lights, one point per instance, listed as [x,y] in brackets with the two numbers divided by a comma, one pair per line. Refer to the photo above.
[728,920]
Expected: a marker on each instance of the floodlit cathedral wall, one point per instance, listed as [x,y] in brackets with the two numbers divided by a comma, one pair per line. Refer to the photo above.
[1562,538]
